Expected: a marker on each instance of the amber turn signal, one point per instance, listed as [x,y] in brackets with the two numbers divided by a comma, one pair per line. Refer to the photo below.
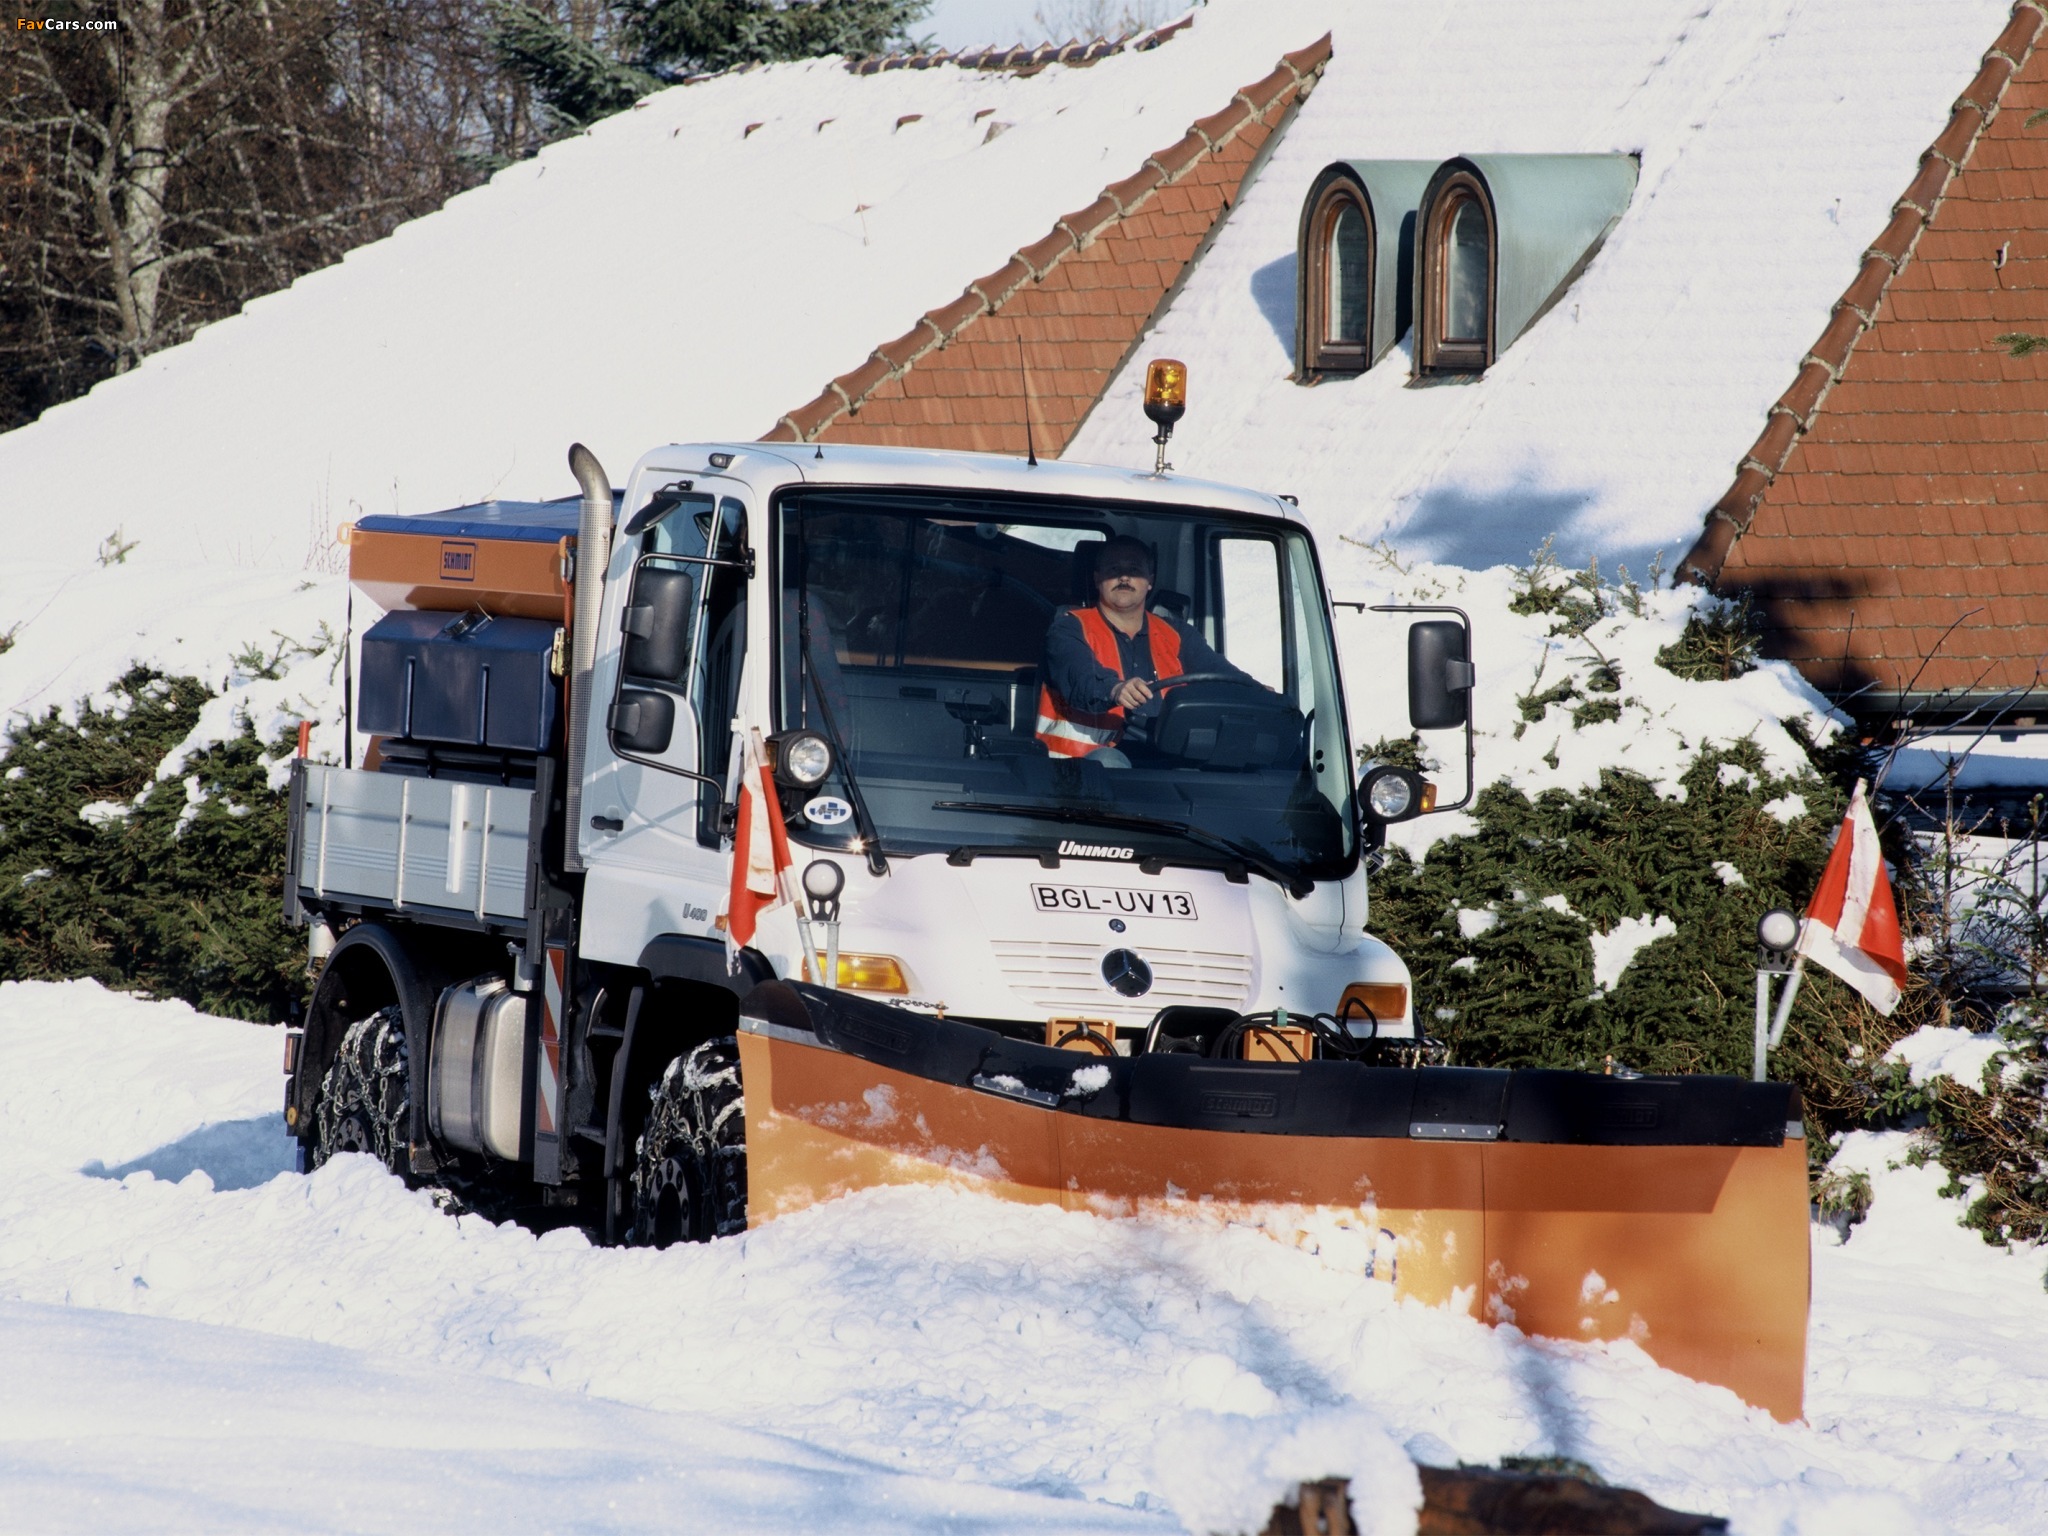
[872,973]
[1383,1002]
[1166,390]
[1428,798]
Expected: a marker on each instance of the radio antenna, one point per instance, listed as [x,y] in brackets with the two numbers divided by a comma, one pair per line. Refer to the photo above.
[1024,369]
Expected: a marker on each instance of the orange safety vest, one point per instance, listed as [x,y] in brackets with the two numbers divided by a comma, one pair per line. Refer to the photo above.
[1070,732]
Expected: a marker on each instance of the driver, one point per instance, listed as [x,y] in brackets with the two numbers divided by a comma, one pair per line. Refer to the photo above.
[1102,664]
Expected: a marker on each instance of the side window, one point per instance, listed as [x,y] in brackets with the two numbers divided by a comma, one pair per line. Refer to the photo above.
[1247,615]
[658,624]
[720,653]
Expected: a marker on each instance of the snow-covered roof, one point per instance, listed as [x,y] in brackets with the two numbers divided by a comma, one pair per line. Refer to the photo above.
[692,268]
[1773,139]
[1887,520]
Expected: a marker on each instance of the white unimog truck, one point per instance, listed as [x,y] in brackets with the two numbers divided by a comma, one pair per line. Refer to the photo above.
[1118,964]
[520,901]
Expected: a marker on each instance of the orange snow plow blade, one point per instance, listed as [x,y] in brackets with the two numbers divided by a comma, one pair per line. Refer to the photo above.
[1574,1213]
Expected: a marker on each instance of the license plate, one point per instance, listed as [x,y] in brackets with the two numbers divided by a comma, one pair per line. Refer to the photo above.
[1113,901]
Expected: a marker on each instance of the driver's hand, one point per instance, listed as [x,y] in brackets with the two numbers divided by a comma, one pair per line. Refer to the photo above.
[1132,692]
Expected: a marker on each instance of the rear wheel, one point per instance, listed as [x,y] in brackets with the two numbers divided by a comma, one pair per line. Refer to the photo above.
[364,1103]
[690,1167]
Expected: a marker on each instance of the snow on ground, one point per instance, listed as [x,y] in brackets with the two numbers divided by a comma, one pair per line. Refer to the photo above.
[143,1423]
[222,1344]
[1774,136]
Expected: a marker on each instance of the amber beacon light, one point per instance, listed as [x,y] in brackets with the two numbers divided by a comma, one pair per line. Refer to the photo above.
[1166,401]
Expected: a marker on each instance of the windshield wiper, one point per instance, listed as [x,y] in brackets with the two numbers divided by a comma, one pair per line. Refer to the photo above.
[863,823]
[1294,884]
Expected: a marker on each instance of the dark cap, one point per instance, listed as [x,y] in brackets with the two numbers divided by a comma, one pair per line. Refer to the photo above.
[1123,556]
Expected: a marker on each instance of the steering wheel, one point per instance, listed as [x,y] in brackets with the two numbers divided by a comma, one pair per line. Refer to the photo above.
[1205,677]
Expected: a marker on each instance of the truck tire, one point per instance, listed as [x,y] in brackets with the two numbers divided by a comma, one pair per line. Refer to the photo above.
[690,1166]
[364,1102]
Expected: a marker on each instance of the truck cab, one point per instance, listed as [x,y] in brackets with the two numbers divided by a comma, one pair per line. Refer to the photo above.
[894,606]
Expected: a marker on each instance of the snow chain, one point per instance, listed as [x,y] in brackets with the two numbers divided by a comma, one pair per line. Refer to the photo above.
[365,1103]
[694,1144]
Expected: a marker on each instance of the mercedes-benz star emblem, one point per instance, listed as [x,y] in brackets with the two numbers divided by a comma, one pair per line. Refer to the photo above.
[1127,973]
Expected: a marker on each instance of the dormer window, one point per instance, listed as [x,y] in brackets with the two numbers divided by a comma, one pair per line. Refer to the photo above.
[1336,321]
[1355,264]
[1500,238]
[1459,272]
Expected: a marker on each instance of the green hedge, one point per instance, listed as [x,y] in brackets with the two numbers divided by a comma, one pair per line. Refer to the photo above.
[173,888]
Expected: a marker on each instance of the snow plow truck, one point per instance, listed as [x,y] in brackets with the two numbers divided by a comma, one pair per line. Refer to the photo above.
[723,845]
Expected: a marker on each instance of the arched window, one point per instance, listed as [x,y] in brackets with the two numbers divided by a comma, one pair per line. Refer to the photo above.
[1347,265]
[1465,263]
[1334,294]
[1458,276]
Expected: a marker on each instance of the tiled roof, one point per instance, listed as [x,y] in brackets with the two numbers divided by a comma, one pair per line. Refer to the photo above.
[1068,307]
[1901,484]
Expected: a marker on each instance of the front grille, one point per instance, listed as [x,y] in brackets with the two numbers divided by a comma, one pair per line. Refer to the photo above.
[1066,979]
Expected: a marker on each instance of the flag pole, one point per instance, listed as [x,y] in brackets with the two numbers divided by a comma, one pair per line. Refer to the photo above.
[1784,1015]
[1785,1001]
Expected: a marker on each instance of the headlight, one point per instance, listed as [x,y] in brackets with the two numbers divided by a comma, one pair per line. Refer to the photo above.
[1395,794]
[1389,796]
[802,759]
[1392,794]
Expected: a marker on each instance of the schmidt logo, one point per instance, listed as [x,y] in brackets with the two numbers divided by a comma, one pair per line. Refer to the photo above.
[458,560]
[1073,850]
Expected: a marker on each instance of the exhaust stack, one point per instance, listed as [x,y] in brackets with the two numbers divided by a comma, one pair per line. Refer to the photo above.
[593,556]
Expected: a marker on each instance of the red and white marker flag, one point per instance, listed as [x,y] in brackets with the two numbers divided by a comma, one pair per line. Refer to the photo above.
[762,870]
[1852,923]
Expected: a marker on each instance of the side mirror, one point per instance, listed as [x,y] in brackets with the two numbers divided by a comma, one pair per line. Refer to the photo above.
[643,721]
[657,623]
[1440,675]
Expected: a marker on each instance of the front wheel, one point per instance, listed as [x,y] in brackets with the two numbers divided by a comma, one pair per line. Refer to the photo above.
[690,1167]
[364,1103]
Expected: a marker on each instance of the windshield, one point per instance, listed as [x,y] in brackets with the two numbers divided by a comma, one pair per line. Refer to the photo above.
[934,634]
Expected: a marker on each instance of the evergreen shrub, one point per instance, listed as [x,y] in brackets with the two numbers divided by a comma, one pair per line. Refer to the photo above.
[1496,928]
[1721,640]
[1993,1139]
[170,887]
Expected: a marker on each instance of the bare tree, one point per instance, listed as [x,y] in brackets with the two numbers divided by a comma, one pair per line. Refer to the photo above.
[156,173]
[171,159]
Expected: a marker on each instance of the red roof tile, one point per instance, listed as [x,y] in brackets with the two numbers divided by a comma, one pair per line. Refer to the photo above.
[1069,307]
[1901,484]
